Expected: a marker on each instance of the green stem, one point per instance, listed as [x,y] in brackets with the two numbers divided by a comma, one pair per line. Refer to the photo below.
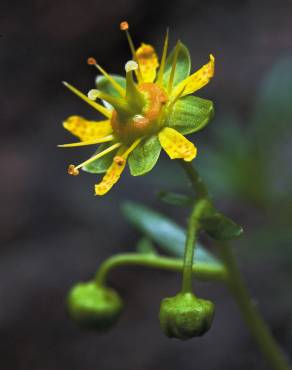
[252,317]
[193,228]
[202,271]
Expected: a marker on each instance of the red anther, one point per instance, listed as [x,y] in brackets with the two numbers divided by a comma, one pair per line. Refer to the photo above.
[124,26]
[91,61]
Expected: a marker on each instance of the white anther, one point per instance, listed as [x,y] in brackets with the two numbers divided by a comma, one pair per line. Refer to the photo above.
[131,65]
[92,94]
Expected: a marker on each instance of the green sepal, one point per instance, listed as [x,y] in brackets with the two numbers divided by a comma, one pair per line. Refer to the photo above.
[182,69]
[101,165]
[103,84]
[190,114]
[145,246]
[144,157]
[163,231]
[175,199]
[218,226]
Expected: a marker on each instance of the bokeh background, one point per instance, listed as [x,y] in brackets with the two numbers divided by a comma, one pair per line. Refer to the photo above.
[54,232]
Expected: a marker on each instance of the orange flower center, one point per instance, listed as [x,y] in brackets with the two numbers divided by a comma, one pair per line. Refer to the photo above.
[146,122]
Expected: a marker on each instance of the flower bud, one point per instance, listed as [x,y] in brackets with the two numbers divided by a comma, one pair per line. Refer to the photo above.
[185,316]
[94,307]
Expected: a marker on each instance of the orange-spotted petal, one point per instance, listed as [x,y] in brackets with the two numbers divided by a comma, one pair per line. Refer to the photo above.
[176,145]
[197,80]
[148,62]
[87,130]
[115,170]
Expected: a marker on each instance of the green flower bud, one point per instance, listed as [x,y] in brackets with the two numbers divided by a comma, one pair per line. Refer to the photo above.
[185,316]
[94,307]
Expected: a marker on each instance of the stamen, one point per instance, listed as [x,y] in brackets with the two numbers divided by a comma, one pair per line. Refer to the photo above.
[72,170]
[118,103]
[171,78]
[134,97]
[92,62]
[131,65]
[132,147]
[88,142]
[124,26]
[106,112]
[96,156]
[92,94]
[163,59]
[175,99]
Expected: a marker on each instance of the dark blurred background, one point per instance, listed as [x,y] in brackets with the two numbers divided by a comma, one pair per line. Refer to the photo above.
[54,232]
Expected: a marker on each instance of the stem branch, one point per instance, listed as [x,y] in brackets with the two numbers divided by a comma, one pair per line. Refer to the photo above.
[202,271]
[267,344]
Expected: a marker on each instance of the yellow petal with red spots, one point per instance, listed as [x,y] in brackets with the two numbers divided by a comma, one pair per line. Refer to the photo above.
[115,170]
[176,145]
[197,80]
[87,130]
[148,62]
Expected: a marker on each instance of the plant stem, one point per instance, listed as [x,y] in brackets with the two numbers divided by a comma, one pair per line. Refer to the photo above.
[269,347]
[193,228]
[267,344]
[202,271]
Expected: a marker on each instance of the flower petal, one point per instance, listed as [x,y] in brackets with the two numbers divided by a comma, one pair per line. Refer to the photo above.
[197,80]
[87,130]
[115,170]
[176,145]
[148,62]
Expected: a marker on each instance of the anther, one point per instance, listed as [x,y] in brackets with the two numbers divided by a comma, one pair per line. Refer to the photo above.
[124,26]
[92,94]
[119,160]
[91,61]
[72,170]
[131,65]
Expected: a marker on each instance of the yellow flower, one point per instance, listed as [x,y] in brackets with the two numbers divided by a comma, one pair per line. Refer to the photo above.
[149,109]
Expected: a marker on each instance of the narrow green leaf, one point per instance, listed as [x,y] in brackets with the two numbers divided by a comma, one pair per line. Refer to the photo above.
[145,246]
[190,114]
[175,198]
[144,156]
[163,231]
[183,66]
[218,226]
[100,165]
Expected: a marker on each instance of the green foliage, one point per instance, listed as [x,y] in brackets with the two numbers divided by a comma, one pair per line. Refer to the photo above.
[145,246]
[190,114]
[185,316]
[164,232]
[183,66]
[94,307]
[218,226]
[175,199]
[144,156]
[100,165]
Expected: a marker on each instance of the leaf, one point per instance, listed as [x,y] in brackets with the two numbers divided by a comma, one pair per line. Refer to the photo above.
[163,231]
[145,246]
[183,66]
[190,114]
[103,84]
[144,156]
[218,226]
[175,198]
[100,165]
